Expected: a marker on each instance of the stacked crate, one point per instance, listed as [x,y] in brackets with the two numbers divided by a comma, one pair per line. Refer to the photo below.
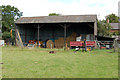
[59,43]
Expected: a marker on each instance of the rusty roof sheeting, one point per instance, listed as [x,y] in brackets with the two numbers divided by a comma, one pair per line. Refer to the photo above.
[57,19]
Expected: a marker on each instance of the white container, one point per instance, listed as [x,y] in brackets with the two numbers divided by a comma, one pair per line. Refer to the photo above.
[2,43]
[78,38]
[88,37]
[108,46]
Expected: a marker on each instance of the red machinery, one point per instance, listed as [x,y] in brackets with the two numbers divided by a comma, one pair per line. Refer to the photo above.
[31,41]
[81,43]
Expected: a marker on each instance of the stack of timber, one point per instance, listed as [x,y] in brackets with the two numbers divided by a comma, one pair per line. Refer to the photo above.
[50,44]
[72,37]
[59,43]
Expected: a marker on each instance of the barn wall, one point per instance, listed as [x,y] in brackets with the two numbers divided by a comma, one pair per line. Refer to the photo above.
[27,32]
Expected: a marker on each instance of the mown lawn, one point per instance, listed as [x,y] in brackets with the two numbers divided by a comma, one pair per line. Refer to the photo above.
[38,63]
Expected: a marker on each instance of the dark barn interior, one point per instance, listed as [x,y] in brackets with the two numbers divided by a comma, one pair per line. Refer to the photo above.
[53,31]
[43,31]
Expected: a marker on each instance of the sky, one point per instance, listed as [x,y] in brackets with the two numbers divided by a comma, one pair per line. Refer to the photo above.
[30,8]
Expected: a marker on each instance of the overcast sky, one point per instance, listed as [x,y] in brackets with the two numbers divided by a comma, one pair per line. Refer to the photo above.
[64,7]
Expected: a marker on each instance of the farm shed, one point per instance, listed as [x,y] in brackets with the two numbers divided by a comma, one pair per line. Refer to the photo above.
[64,28]
[107,42]
[115,28]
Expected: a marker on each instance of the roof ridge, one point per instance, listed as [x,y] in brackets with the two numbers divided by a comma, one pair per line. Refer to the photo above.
[56,19]
[60,16]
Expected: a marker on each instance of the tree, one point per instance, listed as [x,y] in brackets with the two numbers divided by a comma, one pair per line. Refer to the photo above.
[9,15]
[107,27]
[54,14]
[103,28]
[112,18]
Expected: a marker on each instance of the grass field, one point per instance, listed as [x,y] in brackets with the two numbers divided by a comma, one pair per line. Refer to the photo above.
[38,63]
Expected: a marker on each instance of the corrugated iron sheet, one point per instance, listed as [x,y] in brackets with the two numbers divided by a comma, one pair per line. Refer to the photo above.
[115,25]
[57,19]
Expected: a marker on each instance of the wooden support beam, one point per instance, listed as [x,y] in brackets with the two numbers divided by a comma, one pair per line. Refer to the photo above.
[15,34]
[65,36]
[65,26]
[38,32]
[18,39]
[36,26]
[25,34]
[90,25]
[53,31]
[95,28]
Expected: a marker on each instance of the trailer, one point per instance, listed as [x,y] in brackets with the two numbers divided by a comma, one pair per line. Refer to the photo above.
[82,44]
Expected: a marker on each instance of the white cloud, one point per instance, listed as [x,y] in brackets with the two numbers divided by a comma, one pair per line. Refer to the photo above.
[76,7]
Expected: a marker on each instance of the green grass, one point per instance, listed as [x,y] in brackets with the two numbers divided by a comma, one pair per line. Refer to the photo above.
[38,63]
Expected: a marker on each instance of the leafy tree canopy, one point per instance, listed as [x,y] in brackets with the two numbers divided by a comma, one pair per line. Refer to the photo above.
[54,14]
[112,18]
[9,15]
[103,28]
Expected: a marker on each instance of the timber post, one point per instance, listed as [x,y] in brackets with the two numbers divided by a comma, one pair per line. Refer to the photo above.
[38,35]
[65,36]
[65,26]
[38,32]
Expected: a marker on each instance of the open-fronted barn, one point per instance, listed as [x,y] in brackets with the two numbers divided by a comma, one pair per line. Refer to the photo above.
[59,29]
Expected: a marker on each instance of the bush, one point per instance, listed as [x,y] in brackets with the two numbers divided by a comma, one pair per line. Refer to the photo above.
[6,35]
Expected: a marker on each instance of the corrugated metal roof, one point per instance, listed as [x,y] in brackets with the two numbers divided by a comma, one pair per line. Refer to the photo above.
[57,19]
[115,25]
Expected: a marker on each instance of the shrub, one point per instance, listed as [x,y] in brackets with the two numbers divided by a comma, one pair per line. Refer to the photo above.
[6,35]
